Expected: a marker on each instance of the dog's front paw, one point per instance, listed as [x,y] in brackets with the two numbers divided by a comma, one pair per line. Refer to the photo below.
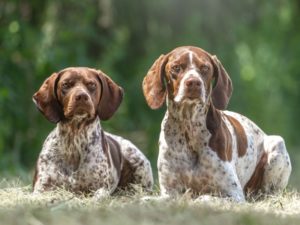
[101,194]
[154,198]
[207,198]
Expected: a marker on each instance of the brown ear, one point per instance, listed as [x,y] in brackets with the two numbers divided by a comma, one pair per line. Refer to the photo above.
[153,83]
[46,101]
[221,93]
[111,97]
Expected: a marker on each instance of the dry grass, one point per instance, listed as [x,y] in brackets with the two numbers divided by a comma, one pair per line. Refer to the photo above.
[19,206]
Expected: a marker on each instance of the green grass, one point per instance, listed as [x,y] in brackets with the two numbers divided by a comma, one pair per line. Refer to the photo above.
[19,206]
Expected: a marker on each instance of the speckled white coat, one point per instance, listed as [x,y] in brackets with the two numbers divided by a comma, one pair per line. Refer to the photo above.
[197,167]
[203,149]
[80,164]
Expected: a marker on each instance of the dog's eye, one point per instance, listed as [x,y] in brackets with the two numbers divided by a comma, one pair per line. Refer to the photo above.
[176,68]
[91,86]
[204,69]
[66,85]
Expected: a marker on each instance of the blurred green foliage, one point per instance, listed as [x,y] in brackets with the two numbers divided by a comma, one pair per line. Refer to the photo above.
[258,42]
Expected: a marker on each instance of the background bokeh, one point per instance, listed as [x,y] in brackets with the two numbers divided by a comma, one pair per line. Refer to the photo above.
[258,42]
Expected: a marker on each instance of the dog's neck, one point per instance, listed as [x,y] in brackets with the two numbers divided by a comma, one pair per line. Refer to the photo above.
[188,111]
[78,138]
[189,120]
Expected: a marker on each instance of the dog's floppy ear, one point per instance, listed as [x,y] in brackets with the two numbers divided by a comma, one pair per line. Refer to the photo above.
[111,96]
[46,100]
[222,90]
[153,83]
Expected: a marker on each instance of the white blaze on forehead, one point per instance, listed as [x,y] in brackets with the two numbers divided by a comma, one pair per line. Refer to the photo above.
[191,59]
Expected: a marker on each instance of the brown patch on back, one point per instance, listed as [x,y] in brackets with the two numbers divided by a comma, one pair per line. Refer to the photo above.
[241,137]
[220,141]
[255,182]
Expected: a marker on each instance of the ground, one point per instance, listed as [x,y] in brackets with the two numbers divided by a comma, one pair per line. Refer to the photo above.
[19,206]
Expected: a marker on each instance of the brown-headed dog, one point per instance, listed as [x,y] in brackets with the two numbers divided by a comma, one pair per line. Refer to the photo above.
[78,155]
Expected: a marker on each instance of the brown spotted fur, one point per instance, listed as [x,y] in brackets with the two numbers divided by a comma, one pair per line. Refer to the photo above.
[78,155]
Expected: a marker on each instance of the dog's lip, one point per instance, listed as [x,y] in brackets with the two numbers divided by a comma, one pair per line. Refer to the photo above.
[193,100]
[82,110]
[193,96]
[195,93]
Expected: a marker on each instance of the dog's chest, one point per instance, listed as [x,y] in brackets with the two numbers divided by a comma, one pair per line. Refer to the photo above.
[81,161]
[185,158]
[185,138]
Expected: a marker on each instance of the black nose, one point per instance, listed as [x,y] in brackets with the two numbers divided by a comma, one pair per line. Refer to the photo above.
[193,82]
[81,96]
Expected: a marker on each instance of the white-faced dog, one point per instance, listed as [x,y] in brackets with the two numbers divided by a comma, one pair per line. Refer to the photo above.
[202,148]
